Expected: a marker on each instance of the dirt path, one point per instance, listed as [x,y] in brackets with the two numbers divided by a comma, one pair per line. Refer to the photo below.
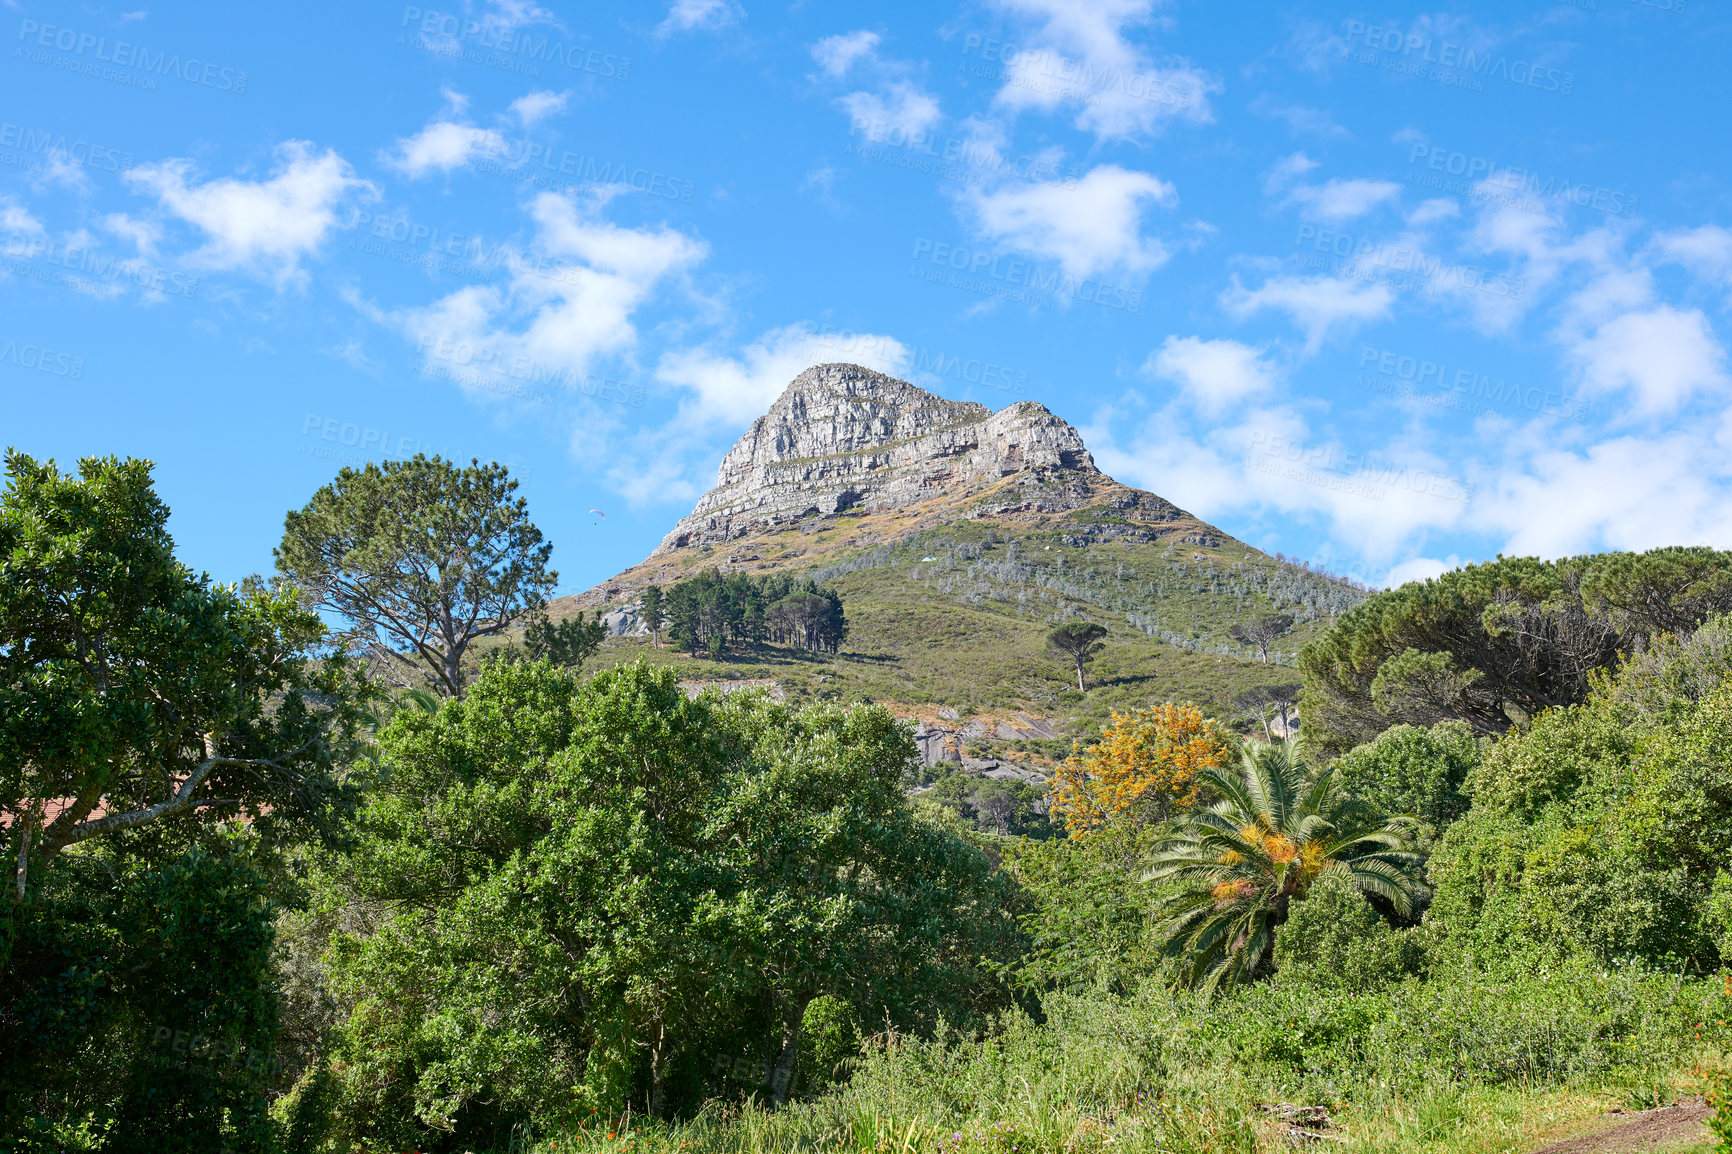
[1648,1130]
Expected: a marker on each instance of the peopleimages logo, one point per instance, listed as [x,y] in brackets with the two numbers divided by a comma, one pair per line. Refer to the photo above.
[983,272]
[495,36]
[363,439]
[40,258]
[42,359]
[127,55]
[1485,181]
[1357,474]
[1412,51]
[1361,258]
[39,145]
[1466,383]
[922,360]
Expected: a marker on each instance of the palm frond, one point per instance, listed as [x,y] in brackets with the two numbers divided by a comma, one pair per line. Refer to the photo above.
[1275,827]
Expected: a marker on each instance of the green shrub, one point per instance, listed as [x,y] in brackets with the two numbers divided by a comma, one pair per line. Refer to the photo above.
[829,1036]
[1600,831]
[1334,940]
[1410,770]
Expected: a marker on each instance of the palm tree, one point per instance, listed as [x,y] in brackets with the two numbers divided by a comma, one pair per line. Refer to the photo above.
[1251,854]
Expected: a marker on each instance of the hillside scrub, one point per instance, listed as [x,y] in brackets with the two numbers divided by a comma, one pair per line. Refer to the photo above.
[1157,1072]
[555,912]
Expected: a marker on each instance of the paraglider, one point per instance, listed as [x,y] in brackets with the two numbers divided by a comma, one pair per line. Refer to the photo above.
[600,514]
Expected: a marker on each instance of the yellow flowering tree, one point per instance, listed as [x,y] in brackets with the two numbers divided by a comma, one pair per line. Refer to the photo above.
[1144,769]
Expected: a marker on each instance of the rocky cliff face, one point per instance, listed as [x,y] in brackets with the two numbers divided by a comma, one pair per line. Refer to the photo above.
[843,437]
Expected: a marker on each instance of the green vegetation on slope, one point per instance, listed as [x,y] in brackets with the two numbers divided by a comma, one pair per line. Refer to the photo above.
[565,902]
[967,628]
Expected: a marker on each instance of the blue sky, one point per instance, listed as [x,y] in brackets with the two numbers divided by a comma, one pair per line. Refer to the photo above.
[1389,289]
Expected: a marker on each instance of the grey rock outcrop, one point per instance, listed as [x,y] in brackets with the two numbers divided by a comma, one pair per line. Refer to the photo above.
[843,437]
[626,621]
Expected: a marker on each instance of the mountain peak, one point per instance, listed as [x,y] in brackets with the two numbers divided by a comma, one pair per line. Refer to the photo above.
[843,437]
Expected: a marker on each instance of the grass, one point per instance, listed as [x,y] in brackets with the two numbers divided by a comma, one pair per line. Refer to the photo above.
[1177,1073]
[1448,1119]
[1484,1120]
[966,629]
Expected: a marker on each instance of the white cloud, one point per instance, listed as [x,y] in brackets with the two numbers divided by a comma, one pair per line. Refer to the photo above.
[1215,375]
[739,388]
[1286,171]
[15,218]
[905,111]
[837,54]
[1542,485]
[1077,55]
[60,169]
[1336,200]
[1317,304]
[1088,225]
[1314,46]
[259,225]
[535,106]
[441,147]
[509,15]
[145,235]
[1300,119]
[1419,569]
[552,319]
[1663,355]
[686,15]
[1433,210]
[1269,465]
[1627,493]
[1706,251]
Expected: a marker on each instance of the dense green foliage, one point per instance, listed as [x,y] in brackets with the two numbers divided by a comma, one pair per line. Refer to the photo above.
[653,608]
[710,611]
[583,894]
[137,1001]
[1002,807]
[141,709]
[1405,1068]
[1422,772]
[133,691]
[1087,921]
[549,908]
[1605,830]
[1494,645]
[420,558]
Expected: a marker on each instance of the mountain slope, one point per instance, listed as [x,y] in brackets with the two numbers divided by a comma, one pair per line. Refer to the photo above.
[957,537]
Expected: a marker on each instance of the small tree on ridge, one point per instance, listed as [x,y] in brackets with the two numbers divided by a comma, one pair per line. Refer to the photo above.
[1079,641]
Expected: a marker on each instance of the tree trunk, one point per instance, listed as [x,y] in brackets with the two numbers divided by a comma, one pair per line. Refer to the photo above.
[783,1069]
[23,868]
[658,1066]
[1079,678]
